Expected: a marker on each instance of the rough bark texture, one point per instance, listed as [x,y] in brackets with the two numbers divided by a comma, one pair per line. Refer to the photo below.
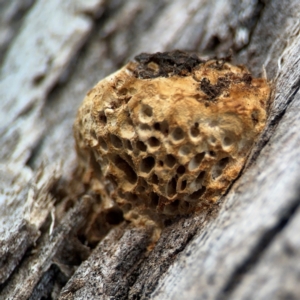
[54,243]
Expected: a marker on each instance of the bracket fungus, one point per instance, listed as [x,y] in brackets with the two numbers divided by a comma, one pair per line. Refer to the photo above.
[168,133]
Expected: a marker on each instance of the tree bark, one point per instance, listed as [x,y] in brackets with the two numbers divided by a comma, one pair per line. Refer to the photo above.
[52,242]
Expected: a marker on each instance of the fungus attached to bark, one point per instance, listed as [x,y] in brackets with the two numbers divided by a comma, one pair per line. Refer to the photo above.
[172,131]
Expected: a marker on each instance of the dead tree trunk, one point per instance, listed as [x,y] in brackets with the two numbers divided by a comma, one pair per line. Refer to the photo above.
[51,53]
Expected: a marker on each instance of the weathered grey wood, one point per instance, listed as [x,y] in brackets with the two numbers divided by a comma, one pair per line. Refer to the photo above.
[246,247]
[109,271]
[25,203]
[277,273]
[32,268]
[11,17]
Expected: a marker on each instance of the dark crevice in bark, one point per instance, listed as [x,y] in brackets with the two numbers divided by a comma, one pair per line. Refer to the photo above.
[26,111]
[125,261]
[35,153]
[42,254]
[263,244]
[52,279]
[11,261]
[253,21]
[217,42]
[172,242]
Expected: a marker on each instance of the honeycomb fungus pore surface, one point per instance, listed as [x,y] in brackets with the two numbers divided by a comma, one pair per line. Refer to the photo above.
[168,133]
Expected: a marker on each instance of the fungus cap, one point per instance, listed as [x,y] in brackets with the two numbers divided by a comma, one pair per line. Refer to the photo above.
[168,134]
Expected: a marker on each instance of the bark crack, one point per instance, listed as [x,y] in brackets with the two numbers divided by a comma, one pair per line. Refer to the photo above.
[170,245]
[263,244]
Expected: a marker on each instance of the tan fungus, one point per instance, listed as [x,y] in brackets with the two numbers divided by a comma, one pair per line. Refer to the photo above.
[166,135]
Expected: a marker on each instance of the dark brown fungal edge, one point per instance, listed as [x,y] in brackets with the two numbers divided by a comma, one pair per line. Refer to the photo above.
[214,90]
[166,64]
